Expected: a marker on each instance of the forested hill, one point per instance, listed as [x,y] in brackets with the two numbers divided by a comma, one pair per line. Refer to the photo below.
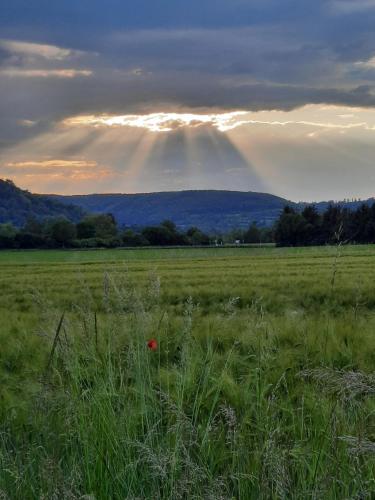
[208,210]
[17,205]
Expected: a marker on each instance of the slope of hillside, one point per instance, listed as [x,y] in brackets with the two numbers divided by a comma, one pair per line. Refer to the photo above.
[17,205]
[209,210]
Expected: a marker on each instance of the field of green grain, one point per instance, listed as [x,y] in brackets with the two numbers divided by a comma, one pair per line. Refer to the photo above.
[262,385]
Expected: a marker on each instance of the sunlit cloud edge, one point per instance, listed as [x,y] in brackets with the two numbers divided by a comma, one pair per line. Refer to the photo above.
[168,122]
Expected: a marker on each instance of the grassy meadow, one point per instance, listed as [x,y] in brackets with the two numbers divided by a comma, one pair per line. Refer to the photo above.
[262,385]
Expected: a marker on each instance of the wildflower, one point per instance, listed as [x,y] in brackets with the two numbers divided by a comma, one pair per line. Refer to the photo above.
[152,344]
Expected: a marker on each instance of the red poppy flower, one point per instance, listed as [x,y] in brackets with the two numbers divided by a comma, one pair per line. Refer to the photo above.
[152,344]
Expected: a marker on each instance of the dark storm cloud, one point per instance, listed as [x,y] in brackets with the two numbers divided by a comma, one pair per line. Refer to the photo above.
[127,56]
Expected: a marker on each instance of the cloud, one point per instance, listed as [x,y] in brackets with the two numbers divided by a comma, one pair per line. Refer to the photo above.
[44,73]
[223,122]
[352,6]
[27,123]
[254,67]
[370,63]
[55,172]
[55,163]
[35,60]
[49,52]
[160,122]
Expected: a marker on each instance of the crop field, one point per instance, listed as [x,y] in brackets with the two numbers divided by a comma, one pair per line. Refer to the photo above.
[260,385]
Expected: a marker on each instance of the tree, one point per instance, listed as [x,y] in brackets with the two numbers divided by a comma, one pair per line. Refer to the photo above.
[197,237]
[164,235]
[105,226]
[332,224]
[312,225]
[133,239]
[170,225]
[33,226]
[25,239]
[7,235]
[266,235]
[86,228]
[363,224]
[101,226]
[311,215]
[253,234]
[372,224]
[290,228]
[62,232]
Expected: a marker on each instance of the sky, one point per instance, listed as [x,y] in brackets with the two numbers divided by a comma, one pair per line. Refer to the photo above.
[163,95]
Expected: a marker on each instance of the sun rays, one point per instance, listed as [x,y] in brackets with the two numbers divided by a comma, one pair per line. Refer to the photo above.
[236,150]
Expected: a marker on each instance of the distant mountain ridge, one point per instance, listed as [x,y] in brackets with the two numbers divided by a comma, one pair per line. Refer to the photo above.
[17,205]
[210,210]
[322,205]
[207,209]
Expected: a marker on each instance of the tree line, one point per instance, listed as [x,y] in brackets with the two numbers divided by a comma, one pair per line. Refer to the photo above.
[335,224]
[94,231]
[101,230]
[292,228]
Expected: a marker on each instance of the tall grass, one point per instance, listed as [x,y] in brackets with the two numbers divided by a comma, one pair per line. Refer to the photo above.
[239,404]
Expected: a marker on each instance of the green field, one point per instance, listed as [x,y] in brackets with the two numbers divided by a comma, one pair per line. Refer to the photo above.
[262,386]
